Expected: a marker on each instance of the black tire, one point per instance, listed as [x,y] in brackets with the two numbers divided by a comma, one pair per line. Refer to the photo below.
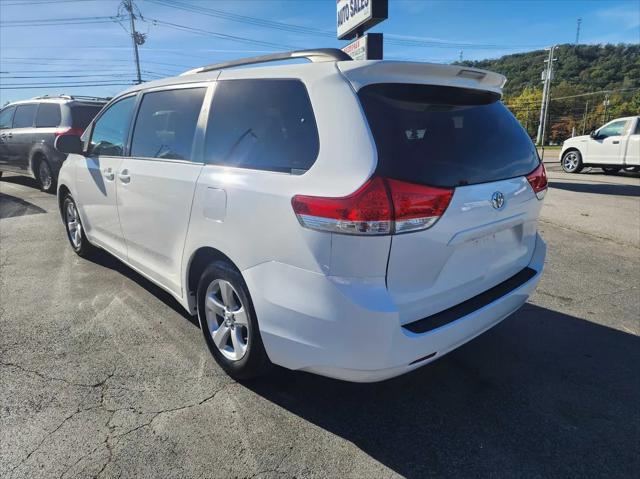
[255,361]
[82,246]
[571,162]
[611,170]
[44,175]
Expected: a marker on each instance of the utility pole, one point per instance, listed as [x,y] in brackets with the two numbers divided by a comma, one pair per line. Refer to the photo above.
[584,121]
[136,38]
[578,31]
[461,53]
[606,106]
[547,76]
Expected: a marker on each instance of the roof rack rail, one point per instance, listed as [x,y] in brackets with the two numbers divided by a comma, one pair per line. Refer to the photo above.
[318,55]
[72,97]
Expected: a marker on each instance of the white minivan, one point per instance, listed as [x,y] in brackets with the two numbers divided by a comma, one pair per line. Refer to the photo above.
[355,219]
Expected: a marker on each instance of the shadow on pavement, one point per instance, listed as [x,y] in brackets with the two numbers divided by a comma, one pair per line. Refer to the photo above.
[21,180]
[597,188]
[543,394]
[11,206]
[106,260]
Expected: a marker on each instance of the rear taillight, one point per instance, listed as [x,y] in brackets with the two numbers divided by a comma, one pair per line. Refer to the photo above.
[380,207]
[417,207]
[69,131]
[538,181]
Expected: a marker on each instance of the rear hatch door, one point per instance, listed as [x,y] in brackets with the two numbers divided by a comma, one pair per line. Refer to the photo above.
[466,140]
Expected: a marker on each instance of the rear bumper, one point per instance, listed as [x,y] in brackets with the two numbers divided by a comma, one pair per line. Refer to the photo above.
[350,329]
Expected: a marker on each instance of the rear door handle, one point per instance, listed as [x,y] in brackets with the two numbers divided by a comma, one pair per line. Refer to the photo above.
[615,142]
[108,174]
[124,177]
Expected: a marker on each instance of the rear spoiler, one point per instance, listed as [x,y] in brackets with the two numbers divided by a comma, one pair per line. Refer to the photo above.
[362,73]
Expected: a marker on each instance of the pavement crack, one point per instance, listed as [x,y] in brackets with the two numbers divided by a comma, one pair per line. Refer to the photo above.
[46,436]
[53,378]
[157,414]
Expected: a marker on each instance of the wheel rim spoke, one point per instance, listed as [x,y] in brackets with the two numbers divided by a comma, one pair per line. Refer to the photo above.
[213,305]
[220,336]
[226,291]
[239,347]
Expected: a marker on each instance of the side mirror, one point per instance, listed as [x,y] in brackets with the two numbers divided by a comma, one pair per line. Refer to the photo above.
[593,134]
[69,144]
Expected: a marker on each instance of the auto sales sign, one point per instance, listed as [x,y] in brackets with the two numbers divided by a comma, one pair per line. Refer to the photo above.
[356,16]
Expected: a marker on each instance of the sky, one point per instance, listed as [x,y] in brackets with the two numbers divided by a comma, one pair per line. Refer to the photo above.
[63,46]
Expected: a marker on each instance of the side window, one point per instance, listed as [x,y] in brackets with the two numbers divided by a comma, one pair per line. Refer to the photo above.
[24,116]
[263,125]
[166,124]
[6,117]
[110,131]
[612,129]
[48,115]
[637,132]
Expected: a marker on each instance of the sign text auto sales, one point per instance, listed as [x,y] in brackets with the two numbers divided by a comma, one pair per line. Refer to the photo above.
[349,9]
[359,15]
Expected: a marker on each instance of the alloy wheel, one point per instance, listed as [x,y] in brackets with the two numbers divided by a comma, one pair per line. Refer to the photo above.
[44,175]
[570,162]
[74,227]
[227,320]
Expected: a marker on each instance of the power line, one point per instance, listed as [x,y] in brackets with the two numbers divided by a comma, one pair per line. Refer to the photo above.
[59,21]
[292,28]
[41,2]
[223,36]
[579,95]
[62,85]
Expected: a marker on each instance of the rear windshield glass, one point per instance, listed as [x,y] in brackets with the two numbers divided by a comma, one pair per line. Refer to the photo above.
[81,115]
[445,136]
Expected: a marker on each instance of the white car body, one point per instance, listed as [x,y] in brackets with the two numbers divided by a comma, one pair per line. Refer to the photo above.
[620,149]
[329,303]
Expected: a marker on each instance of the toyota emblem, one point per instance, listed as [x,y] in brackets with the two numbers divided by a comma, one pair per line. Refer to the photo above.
[497,200]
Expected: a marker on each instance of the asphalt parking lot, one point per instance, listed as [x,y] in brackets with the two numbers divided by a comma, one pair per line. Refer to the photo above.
[103,375]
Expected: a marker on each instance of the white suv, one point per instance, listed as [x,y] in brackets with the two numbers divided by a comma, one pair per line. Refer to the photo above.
[355,219]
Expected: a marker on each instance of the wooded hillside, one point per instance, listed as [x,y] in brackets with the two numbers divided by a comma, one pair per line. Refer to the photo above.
[601,81]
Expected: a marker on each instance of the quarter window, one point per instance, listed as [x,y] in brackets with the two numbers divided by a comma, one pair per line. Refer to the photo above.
[24,116]
[6,117]
[263,125]
[110,131]
[166,124]
[48,115]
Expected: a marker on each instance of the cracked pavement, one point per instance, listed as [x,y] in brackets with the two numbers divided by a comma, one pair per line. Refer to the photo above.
[103,375]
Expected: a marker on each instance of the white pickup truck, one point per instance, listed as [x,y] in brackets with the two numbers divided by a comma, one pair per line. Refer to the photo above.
[612,147]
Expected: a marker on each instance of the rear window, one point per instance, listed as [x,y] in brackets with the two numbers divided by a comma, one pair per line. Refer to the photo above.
[81,115]
[48,115]
[264,124]
[445,136]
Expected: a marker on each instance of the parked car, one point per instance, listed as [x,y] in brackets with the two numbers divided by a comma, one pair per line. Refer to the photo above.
[28,129]
[612,147]
[355,219]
